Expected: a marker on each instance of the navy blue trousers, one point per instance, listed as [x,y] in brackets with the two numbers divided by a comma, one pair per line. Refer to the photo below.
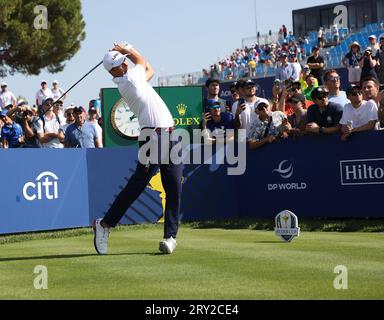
[171,175]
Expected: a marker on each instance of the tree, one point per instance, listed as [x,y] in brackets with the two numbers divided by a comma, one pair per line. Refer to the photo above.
[27,49]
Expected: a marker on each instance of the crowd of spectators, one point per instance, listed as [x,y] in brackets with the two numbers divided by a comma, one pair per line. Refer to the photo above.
[330,110]
[50,122]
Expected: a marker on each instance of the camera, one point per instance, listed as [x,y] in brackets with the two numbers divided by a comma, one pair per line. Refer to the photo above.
[368,53]
[277,83]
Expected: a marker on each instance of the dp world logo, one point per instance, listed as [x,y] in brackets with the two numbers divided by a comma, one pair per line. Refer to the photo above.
[285,169]
[45,187]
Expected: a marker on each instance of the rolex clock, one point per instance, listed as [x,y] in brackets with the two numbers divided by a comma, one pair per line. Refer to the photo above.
[124,121]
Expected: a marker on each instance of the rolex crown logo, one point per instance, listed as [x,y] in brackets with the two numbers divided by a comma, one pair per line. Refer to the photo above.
[182,109]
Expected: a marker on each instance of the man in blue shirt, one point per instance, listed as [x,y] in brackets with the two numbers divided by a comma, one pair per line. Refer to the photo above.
[216,122]
[323,117]
[286,71]
[81,134]
[12,135]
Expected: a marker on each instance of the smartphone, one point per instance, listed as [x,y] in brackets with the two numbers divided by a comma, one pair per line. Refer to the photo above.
[241,101]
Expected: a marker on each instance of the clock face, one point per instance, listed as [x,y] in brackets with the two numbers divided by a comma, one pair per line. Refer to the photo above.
[124,121]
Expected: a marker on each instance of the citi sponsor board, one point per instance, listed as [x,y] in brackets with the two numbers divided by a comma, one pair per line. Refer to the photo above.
[364,171]
[285,171]
[45,187]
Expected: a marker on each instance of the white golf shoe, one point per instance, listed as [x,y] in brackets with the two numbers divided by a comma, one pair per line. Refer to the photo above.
[167,245]
[100,239]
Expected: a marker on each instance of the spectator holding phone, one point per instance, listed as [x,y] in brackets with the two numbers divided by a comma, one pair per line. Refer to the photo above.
[245,112]
[215,123]
[368,64]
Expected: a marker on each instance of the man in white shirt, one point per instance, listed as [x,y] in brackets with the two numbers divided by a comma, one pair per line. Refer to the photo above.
[332,82]
[92,118]
[6,97]
[57,92]
[245,109]
[154,117]
[43,94]
[47,127]
[359,115]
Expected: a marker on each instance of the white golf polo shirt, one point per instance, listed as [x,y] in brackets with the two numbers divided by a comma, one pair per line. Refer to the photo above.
[143,100]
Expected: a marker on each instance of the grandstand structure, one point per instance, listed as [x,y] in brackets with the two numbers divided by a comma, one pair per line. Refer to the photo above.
[353,29]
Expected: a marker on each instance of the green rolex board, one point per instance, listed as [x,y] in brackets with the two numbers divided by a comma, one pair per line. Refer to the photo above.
[184,103]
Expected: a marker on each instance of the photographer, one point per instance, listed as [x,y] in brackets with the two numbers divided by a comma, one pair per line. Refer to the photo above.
[368,64]
[12,135]
[24,115]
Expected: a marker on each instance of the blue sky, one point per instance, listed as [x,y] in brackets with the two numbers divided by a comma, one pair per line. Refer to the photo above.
[175,36]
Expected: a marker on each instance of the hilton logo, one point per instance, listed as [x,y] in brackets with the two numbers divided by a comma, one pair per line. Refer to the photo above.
[367,171]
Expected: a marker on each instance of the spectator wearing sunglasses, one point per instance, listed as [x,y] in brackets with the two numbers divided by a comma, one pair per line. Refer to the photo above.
[332,82]
[269,127]
[358,115]
[69,119]
[324,116]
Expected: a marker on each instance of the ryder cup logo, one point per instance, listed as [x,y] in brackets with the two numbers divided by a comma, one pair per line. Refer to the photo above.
[45,186]
[287,225]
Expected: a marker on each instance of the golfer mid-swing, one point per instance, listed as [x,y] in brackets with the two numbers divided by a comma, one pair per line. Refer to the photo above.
[153,116]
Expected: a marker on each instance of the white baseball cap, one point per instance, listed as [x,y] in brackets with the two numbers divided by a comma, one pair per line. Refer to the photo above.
[55,81]
[4,84]
[113,59]
[372,36]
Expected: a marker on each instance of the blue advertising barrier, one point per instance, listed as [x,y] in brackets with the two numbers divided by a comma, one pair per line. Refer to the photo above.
[46,189]
[43,189]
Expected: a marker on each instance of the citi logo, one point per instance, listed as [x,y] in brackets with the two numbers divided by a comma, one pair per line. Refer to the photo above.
[46,187]
[285,172]
[357,172]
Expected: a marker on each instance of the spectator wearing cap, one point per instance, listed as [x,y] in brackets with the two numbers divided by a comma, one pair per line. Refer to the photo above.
[286,93]
[81,134]
[332,82]
[69,119]
[213,90]
[245,108]
[48,125]
[303,76]
[12,135]
[92,118]
[380,56]
[296,66]
[323,117]
[351,61]
[7,98]
[316,64]
[298,119]
[368,64]
[373,44]
[58,109]
[312,84]
[285,70]
[43,93]
[57,92]
[358,115]
[25,116]
[269,126]
[215,123]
